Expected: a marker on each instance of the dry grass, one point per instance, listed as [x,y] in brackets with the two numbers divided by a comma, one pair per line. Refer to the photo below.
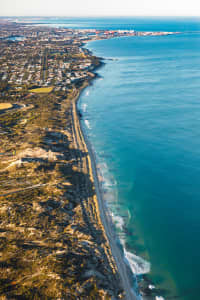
[5,106]
[44,90]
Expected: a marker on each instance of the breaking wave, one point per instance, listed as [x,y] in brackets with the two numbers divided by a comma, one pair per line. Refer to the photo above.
[137,264]
[118,221]
[84,107]
[87,123]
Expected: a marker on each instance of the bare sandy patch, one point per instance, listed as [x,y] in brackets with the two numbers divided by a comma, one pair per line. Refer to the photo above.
[5,106]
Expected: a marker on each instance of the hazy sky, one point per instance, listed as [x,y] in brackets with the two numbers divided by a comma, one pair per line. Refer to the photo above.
[99,7]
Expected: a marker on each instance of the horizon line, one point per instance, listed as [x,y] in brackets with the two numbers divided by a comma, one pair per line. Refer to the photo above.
[100,16]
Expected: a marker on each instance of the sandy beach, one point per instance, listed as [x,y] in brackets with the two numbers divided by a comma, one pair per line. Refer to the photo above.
[114,254]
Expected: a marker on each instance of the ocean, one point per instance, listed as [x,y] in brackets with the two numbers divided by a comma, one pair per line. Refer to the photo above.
[142,117]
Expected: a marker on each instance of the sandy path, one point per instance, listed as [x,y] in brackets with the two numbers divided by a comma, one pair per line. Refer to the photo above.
[36,186]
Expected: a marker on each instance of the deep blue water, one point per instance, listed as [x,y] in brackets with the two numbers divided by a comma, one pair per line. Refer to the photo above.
[137,23]
[143,120]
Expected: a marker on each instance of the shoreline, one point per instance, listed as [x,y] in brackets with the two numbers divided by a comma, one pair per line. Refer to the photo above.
[103,218]
[63,196]
[136,289]
[90,221]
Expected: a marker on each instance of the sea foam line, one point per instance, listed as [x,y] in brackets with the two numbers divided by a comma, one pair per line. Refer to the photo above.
[87,123]
[137,264]
[84,107]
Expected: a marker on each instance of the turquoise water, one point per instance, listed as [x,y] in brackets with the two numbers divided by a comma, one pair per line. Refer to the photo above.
[142,117]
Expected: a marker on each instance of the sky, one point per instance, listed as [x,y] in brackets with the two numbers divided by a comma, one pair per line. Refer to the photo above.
[99,8]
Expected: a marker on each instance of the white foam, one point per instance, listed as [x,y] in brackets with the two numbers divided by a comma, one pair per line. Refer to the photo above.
[159,298]
[87,93]
[87,123]
[109,183]
[84,107]
[151,287]
[119,222]
[108,180]
[137,264]
[103,167]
